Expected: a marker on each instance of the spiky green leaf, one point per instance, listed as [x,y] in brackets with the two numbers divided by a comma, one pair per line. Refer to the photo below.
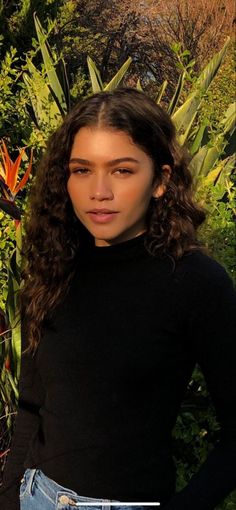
[117,79]
[139,86]
[95,76]
[50,66]
[184,116]
[199,136]
[44,105]
[218,144]
[223,169]
[161,92]
[177,93]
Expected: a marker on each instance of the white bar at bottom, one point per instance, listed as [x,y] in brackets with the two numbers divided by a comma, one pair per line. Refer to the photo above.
[118,503]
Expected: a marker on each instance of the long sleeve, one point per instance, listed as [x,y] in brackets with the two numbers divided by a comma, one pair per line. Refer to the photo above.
[26,423]
[213,331]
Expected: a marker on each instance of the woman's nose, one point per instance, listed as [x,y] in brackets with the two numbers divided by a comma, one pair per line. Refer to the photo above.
[101,189]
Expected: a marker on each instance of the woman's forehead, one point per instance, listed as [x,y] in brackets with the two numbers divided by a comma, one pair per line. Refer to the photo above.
[111,144]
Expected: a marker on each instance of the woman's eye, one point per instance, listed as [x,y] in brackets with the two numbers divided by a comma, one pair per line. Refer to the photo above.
[83,171]
[124,171]
[79,171]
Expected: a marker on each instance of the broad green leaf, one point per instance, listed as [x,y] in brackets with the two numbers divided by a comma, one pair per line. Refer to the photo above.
[44,105]
[223,169]
[212,176]
[183,117]
[198,138]
[116,80]
[161,92]
[16,347]
[215,151]
[228,168]
[12,383]
[229,119]
[50,66]
[197,162]
[177,93]
[95,76]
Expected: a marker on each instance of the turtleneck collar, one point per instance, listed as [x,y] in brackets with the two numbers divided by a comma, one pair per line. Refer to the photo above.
[119,251]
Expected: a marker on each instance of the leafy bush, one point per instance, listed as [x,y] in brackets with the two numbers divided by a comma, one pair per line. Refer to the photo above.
[218,231]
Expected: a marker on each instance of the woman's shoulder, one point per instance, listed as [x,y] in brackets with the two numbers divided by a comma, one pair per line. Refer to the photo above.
[200,270]
[198,261]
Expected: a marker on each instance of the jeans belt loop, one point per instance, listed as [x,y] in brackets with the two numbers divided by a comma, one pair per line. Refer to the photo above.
[31,479]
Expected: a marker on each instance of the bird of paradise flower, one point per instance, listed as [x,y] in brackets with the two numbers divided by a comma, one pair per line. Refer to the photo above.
[9,182]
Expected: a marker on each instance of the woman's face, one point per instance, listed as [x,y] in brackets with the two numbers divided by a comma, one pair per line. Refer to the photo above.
[108,171]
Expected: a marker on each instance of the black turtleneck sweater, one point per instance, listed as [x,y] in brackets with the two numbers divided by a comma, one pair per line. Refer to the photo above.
[99,400]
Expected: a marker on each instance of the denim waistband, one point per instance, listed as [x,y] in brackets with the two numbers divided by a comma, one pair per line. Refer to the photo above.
[52,488]
[58,494]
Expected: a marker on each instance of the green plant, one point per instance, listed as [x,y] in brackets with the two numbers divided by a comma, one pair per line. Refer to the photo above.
[10,327]
[95,77]
[218,231]
[49,100]
[221,92]
[13,99]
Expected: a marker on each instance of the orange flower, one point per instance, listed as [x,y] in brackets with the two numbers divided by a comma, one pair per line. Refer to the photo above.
[9,171]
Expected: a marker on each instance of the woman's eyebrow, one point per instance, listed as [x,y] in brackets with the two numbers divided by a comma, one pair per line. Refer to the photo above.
[109,163]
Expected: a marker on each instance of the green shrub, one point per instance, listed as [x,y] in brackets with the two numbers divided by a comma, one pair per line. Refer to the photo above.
[218,231]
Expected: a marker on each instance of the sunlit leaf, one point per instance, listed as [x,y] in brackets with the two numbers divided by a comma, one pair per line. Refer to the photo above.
[139,86]
[95,76]
[116,80]
[44,105]
[50,66]
[183,117]
[205,159]
[198,138]
[177,93]
[161,92]
[224,169]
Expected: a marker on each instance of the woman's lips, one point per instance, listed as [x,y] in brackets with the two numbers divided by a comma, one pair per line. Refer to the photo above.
[102,217]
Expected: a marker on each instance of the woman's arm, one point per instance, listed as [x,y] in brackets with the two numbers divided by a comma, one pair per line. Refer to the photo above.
[213,330]
[26,424]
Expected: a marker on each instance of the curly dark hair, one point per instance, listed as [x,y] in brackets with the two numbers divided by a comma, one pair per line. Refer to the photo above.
[53,233]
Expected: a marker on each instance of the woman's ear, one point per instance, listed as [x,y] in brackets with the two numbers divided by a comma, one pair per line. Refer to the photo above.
[160,189]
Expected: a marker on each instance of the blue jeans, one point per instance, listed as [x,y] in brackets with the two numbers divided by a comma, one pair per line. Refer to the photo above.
[38,492]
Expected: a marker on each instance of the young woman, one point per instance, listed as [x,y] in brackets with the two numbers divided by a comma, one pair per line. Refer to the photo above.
[119,303]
